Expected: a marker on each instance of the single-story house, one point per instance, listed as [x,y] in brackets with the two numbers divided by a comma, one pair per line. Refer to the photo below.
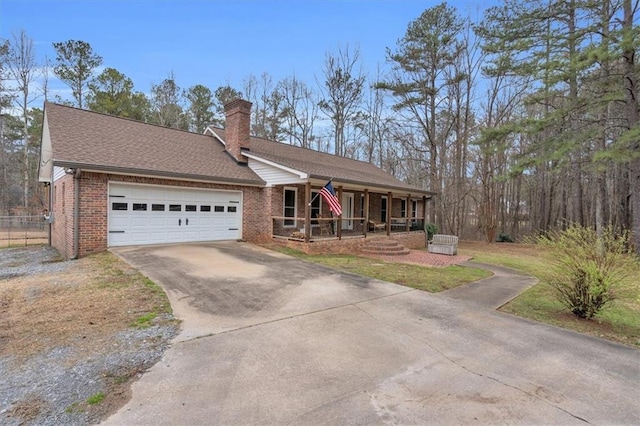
[115,182]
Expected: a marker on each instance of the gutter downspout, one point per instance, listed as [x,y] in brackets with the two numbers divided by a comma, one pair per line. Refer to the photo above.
[76,212]
[50,208]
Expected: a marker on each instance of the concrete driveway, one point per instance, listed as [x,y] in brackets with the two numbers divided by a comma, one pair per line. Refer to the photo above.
[268,339]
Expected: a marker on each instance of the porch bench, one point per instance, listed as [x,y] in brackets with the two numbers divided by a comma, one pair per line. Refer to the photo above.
[398,225]
[443,244]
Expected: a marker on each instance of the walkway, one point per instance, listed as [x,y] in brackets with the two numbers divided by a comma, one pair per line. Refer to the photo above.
[491,292]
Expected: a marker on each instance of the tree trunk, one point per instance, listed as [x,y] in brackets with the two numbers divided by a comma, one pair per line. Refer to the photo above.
[630,79]
[27,166]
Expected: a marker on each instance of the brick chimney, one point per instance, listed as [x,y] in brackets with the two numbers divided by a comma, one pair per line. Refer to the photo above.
[237,127]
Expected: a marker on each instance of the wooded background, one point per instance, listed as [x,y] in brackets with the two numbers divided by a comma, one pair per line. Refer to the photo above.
[522,122]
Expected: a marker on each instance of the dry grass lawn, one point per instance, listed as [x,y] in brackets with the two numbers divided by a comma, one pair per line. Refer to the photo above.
[80,307]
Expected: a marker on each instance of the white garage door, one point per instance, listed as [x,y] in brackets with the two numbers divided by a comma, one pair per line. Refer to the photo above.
[140,214]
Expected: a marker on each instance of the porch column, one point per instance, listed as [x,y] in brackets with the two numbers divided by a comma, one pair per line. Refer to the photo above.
[424,212]
[307,212]
[365,209]
[407,212]
[389,212]
[339,230]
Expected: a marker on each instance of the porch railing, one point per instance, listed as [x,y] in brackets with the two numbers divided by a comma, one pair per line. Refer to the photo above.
[405,224]
[23,230]
[327,228]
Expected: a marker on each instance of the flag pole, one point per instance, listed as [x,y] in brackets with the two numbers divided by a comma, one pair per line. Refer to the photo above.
[318,193]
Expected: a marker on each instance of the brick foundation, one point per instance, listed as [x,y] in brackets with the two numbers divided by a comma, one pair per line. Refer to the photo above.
[411,240]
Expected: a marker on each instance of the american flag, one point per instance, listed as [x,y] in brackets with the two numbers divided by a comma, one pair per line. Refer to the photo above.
[329,195]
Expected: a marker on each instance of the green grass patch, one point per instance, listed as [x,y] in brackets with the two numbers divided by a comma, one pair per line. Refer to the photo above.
[619,322]
[96,398]
[524,258]
[153,287]
[145,321]
[425,278]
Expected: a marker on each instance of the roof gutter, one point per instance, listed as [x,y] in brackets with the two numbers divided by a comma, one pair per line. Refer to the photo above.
[159,174]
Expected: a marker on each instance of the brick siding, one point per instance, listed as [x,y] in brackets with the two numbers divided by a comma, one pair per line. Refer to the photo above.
[259,204]
[93,230]
[62,226]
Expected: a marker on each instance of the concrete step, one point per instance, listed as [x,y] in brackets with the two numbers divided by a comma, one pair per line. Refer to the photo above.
[385,247]
[379,242]
[400,252]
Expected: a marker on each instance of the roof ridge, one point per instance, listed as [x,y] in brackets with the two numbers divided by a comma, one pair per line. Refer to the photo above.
[122,118]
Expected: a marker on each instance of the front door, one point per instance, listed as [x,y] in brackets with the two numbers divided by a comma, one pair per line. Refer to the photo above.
[347,211]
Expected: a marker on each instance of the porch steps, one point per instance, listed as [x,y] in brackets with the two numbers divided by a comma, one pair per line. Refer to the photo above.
[384,247]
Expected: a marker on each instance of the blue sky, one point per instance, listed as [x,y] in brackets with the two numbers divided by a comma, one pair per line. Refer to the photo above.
[217,42]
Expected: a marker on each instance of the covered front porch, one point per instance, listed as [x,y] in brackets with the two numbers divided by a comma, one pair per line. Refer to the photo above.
[366,212]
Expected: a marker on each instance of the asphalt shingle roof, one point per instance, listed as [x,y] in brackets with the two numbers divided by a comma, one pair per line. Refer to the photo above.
[322,165]
[92,140]
[102,142]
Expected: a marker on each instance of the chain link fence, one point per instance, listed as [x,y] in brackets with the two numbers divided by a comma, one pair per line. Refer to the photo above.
[23,230]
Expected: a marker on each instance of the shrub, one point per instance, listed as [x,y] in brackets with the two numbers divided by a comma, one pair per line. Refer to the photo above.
[431,229]
[587,271]
[504,238]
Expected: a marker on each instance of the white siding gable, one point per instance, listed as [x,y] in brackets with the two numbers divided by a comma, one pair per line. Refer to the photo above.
[274,175]
[45,169]
[58,172]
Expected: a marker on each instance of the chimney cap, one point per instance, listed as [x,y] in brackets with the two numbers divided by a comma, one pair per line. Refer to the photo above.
[237,103]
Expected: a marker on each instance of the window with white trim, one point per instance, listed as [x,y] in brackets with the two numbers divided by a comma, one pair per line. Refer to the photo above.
[289,199]
[383,209]
[316,206]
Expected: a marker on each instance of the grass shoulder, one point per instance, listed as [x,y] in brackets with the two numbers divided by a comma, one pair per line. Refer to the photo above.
[424,278]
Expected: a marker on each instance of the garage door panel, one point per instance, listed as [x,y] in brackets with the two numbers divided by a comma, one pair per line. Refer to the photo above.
[117,238]
[174,236]
[156,214]
[205,221]
[157,222]
[157,236]
[140,222]
[139,237]
[119,222]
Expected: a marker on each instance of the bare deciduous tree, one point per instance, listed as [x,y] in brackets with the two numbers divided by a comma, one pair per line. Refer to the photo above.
[300,110]
[22,68]
[166,104]
[342,91]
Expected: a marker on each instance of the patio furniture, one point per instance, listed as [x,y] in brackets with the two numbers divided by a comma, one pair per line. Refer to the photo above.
[374,226]
[325,226]
[443,244]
